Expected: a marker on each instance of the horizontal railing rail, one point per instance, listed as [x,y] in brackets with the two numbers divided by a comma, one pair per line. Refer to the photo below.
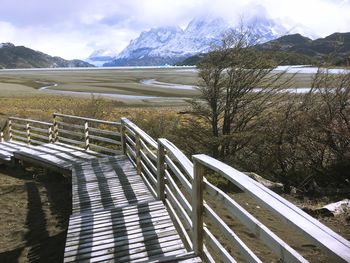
[88,133]
[29,131]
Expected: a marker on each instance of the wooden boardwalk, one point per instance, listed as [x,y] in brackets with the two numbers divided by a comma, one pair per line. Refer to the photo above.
[115,218]
[130,206]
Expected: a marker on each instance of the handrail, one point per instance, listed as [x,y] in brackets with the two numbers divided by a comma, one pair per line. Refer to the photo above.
[30,121]
[86,119]
[335,245]
[140,132]
[183,161]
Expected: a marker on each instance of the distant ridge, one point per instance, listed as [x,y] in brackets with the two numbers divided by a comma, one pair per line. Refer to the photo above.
[12,56]
[296,49]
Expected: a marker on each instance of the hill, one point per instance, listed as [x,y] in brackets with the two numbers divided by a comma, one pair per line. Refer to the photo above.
[296,49]
[12,56]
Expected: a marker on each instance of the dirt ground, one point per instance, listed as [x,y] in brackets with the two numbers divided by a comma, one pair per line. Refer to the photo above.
[34,216]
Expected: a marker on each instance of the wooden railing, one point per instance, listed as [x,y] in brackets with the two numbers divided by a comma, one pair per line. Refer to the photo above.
[184,188]
[29,131]
[181,184]
[142,151]
[91,134]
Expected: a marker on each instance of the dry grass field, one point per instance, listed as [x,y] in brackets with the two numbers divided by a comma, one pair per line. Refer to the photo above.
[112,81]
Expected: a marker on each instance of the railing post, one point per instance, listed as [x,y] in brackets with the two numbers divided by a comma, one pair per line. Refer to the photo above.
[122,136]
[10,130]
[1,136]
[138,154]
[197,207]
[160,171]
[28,133]
[86,132]
[55,129]
[49,131]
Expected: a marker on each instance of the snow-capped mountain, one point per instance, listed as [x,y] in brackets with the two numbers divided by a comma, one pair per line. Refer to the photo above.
[168,45]
[101,56]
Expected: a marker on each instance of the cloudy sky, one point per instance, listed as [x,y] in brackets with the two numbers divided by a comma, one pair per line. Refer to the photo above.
[74,29]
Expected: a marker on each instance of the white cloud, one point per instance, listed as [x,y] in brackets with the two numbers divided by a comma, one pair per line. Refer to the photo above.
[73,29]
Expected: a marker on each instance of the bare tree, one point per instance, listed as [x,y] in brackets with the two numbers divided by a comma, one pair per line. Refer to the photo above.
[237,86]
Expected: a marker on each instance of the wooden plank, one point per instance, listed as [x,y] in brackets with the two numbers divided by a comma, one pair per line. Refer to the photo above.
[133,236]
[231,236]
[87,119]
[129,140]
[130,131]
[197,208]
[104,139]
[37,142]
[45,131]
[129,248]
[149,163]
[119,229]
[15,131]
[176,204]
[160,172]
[215,244]
[104,149]
[142,209]
[178,194]
[184,182]
[128,148]
[18,125]
[64,139]
[46,138]
[147,139]
[148,173]
[177,221]
[188,257]
[149,153]
[149,185]
[183,161]
[19,138]
[70,125]
[277,245]
[30,120]
[70,132]
[105,132]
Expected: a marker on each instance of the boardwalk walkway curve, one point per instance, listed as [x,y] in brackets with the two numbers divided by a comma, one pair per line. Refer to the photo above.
[135,199]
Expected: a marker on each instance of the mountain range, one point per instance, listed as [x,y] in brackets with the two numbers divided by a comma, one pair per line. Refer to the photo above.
[12,56]
[168,45]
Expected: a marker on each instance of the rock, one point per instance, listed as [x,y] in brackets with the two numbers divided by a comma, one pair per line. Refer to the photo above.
[276,187]
[336,208]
